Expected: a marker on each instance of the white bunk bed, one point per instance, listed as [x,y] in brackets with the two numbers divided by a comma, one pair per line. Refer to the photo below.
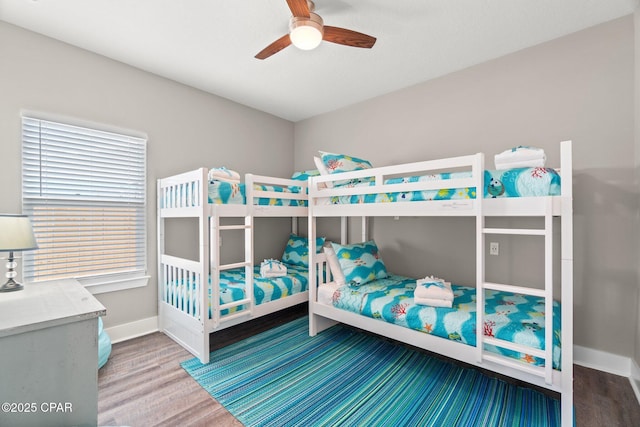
[324,201]
[183,294]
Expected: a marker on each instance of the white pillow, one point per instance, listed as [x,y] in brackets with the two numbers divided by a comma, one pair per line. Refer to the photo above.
[334,264]
[323,171]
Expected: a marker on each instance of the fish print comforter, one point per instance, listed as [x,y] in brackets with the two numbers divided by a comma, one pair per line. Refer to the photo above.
[511,317]
[223,193]
[520,182]
[232,287]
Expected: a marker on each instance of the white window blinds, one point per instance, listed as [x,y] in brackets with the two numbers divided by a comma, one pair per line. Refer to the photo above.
[84,190]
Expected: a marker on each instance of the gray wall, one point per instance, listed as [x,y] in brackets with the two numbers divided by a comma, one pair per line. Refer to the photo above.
[186,128]
[579,87]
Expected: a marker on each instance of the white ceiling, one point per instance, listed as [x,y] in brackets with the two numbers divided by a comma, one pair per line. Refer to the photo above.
[210,44]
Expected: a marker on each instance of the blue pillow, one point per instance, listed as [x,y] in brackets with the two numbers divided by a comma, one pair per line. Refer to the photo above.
[360,262]
[297,250]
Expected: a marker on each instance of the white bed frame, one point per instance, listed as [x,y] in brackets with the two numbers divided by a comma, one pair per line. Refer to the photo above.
[322,316]
[186,196]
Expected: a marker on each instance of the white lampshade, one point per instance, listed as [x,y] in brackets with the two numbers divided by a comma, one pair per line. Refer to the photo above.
[16,233]
[306,33]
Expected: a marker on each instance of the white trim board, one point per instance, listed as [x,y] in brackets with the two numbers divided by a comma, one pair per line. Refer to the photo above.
[602,361]
[635,379]
[132,330]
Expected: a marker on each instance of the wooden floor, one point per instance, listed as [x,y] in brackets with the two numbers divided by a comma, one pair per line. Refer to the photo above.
[143,384]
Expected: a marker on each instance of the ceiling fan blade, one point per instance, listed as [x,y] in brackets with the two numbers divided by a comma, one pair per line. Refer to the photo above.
[274,47]
[348,37]
[299,8]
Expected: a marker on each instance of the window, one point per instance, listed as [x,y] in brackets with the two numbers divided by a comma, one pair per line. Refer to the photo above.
[85,191]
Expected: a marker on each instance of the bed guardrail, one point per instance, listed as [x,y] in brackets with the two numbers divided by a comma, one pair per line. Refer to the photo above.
[181,285]
[186,191]
[265,192]
[325,186]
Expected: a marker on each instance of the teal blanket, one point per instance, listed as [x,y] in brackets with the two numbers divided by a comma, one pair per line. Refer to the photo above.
[232,288]
[521,182]
[224,193]
[511,317]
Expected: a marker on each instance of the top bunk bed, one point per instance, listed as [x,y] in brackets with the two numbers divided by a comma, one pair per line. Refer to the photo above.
[220,192]
[445,187]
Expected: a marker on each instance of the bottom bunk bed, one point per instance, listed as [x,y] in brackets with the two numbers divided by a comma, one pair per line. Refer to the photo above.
[508,316]
[233,296]
[228,304]
[387,307]
[181,292]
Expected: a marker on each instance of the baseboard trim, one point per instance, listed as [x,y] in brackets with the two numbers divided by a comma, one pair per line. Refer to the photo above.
[635,379]
[131,330]
[602,361]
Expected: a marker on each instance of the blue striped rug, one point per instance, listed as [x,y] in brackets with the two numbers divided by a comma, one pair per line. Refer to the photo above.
[283,377]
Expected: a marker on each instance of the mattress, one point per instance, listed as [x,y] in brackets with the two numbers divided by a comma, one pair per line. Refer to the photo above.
[232,285]
[520,182]
[223,193]
[511,317]
[232,288]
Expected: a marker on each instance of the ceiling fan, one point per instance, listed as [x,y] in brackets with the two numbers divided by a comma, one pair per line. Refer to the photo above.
[307,30]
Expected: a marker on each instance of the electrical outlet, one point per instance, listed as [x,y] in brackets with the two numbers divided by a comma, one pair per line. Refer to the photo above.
[494,248]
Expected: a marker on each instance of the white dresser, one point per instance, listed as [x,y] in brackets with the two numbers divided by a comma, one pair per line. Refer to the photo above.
[49,355]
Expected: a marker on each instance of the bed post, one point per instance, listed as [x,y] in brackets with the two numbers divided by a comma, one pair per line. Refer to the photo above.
[364,231]
[203,225]
[566,165]
[313,288]
[344,230]
[478,175]
[317,323]
[161,249]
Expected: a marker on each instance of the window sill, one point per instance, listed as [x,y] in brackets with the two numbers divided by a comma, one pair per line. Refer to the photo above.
[101,285]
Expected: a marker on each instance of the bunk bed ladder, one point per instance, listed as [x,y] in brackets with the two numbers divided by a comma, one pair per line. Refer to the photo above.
[246,303]
[546,293]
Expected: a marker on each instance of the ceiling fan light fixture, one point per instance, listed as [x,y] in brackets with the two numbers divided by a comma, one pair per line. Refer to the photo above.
[306,33]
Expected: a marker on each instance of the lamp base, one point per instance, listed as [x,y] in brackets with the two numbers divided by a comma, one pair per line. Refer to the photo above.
[11,286]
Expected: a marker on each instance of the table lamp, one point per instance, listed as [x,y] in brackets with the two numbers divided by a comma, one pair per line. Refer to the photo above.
[16,234]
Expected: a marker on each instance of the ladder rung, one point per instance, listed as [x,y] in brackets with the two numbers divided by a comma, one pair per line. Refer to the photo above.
[513,363]
[515,231]
[234,265]
[521,290]
[234,227]
[228,317]
[234,304]
[515,347]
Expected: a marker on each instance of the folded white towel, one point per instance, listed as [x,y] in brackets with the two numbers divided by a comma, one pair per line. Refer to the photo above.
[522,164]
[433,302]
[433,288]
[272,268]
[520,157]
[224,174]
